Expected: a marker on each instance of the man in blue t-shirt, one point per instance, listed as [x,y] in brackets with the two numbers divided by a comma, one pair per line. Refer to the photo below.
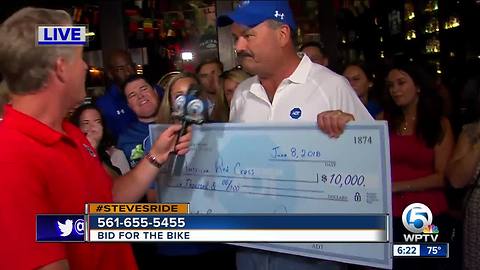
[113,105]
[143,100]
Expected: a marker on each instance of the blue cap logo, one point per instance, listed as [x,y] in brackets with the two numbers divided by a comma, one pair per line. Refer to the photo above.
[295,113]
[277,15]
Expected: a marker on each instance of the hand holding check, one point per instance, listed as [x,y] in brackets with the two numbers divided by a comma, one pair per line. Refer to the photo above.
[333,122]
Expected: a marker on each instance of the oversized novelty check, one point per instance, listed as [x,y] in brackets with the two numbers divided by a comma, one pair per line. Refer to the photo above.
[285,168]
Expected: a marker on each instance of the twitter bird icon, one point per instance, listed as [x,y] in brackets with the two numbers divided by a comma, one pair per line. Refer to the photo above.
[66,228]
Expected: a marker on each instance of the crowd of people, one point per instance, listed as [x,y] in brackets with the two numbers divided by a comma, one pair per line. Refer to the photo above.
[59,151]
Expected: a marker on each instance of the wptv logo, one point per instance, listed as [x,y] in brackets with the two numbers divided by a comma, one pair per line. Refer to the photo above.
[417,218]
[55,35]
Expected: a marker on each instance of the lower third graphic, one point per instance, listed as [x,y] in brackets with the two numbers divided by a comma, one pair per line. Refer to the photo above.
[60,228]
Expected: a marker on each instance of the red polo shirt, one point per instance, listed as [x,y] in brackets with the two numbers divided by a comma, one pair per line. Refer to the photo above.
[43,171]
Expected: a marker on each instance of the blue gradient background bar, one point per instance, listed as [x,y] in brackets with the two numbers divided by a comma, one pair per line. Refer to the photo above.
[434,250]
[48,229]
[253,222]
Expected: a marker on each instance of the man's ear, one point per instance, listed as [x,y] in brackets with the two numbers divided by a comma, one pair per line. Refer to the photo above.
[284,35]
[61,69]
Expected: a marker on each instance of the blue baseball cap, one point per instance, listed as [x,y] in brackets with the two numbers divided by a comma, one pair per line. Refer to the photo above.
[251,13]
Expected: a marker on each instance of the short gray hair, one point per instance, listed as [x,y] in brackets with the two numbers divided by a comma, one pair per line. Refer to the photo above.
[24,65]
[273,24]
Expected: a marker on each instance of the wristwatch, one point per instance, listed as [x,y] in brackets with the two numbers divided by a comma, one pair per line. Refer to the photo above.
[153,160]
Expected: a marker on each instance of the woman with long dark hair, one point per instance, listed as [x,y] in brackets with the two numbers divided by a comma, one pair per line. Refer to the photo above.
[88,118]
[421,143]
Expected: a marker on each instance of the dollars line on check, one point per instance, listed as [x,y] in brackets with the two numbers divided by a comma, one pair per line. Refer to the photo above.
[231,186]
[244,185]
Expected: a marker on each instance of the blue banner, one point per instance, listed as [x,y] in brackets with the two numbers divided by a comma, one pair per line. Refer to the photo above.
[238,222]
[60,228]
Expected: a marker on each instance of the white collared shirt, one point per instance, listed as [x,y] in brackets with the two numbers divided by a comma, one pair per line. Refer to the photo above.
[308,91]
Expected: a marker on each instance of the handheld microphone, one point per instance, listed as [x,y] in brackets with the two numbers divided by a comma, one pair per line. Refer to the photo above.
[189,109]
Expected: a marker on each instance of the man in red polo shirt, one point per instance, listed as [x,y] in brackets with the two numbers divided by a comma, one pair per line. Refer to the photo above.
[46,164]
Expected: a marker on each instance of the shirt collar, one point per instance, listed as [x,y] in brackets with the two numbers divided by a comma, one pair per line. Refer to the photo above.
[33,128]
[301,72]
[257,89]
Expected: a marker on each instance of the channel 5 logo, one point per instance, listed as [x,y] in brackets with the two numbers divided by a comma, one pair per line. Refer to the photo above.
[417,218]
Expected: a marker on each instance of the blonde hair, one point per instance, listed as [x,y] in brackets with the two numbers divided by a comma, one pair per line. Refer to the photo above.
[163,82]
[24,65]
[221,111]
[236,75]
[164,115]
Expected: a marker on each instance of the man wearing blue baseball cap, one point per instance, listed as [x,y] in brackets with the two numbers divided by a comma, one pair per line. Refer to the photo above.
[252,13]
[284,88]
